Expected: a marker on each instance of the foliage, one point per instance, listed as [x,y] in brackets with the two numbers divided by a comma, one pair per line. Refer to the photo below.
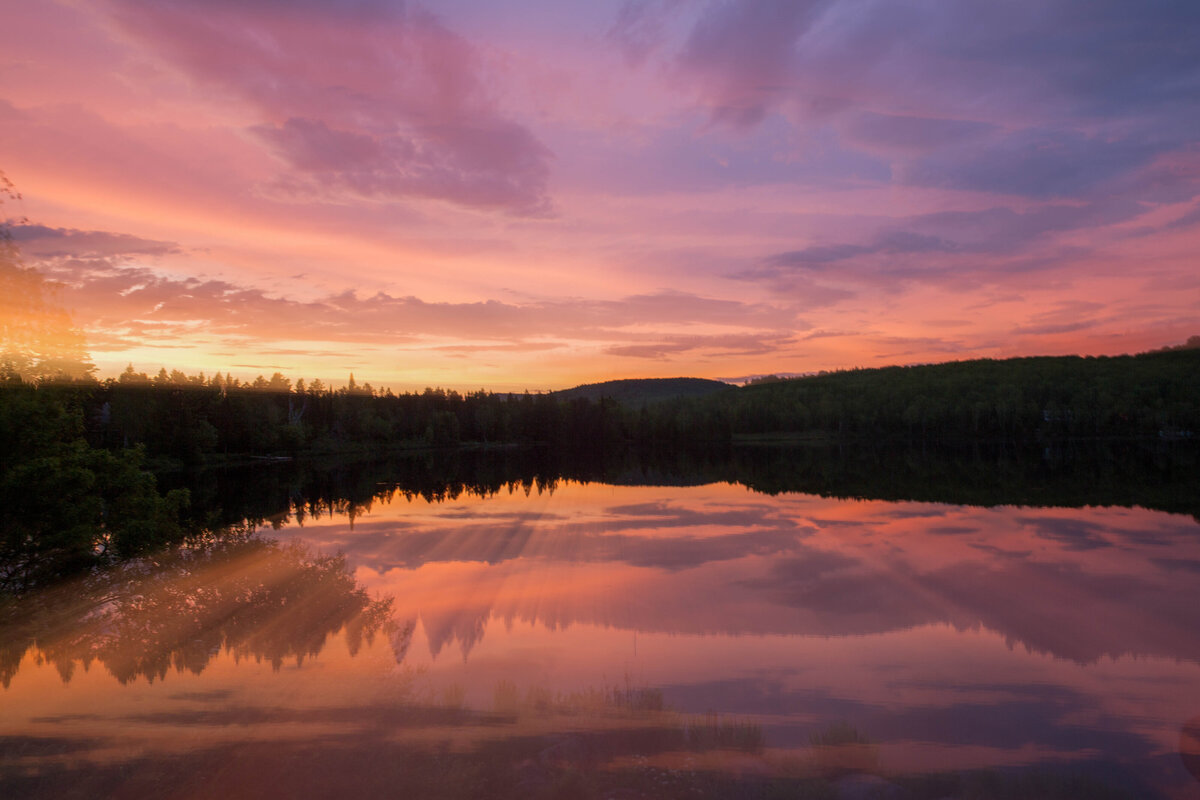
[64,504]
[1015,399]
[191,419]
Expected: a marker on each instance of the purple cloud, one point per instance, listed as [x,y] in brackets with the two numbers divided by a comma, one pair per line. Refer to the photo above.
[1038,98]
[742,55]
[639,28]
[931,247]
[1033,163]
[891,243]
[371,98]
[41,241]
[902,133]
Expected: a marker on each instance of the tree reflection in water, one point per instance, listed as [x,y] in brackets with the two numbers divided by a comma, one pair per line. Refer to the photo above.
[251,597]
[511,727]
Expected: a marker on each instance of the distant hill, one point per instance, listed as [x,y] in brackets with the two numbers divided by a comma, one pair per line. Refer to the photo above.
[641,391]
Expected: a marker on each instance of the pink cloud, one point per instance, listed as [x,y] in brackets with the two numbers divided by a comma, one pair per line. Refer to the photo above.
[723,346]
[377,100]
[122,301]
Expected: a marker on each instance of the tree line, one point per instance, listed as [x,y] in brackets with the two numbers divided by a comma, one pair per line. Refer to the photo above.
[75,490]
[191,419]
[1020,399]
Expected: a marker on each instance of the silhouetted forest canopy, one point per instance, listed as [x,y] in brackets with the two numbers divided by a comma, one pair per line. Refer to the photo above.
[193,419]
[1034,398]
[75,489]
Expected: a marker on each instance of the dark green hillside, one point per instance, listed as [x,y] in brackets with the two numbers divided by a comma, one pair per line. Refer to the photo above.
[636,392]
[1151,394]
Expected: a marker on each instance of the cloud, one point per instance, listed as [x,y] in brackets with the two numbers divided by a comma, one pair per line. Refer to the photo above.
[828,334]
[742,55]
[892,243]
[1050,330]
[917,345]
[1073,534]
[1036,98]
[1070,58]
[967,248]
[736,345]
[514,347]
[41,242]
[639,28]
[1033,163]
[1064,317]
[910,134]
[1186,220]
[370,99]
[847,160]
[124,303]
[624,534]
[1035,603]
[1004,230]
[889,258]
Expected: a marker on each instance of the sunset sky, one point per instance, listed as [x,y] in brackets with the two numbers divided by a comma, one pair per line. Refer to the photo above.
[531,195]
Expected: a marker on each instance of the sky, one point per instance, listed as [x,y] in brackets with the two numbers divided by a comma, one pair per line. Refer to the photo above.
[536,194]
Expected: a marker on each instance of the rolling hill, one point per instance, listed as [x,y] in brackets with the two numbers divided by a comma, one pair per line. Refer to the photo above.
[642,391]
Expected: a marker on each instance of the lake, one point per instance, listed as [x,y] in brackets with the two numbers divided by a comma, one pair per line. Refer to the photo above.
[383,631]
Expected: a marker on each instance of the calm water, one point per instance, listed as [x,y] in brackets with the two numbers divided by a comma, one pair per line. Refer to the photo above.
[600,640]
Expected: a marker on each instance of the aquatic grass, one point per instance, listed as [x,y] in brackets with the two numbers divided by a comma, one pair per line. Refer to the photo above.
[453,696]
[508,698]
[841,749]
[712,731]
[838,734]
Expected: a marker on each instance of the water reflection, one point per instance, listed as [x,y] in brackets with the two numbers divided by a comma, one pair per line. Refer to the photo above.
[1189,746]
[1077,584]
[1163,476]
[243,596]
[601,640]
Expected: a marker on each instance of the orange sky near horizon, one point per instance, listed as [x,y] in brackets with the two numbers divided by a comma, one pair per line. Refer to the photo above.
[550,194]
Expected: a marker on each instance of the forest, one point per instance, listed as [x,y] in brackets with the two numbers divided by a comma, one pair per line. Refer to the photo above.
[193,419]
[78,480]
[187,420]
[1017,399]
